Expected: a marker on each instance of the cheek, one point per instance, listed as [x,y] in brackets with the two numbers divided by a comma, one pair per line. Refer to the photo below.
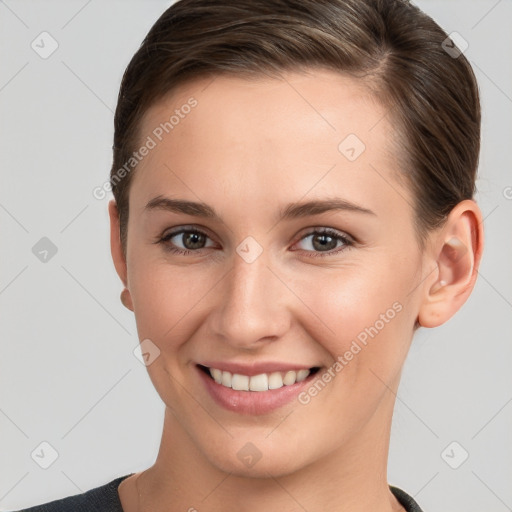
[356,301]
[167,303]
[163,293]
[347,300]
[366,331]
[361,314]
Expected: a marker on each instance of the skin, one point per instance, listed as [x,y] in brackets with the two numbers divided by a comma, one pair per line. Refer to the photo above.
[247,149]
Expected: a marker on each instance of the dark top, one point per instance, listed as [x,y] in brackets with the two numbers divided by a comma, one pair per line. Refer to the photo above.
[106,499]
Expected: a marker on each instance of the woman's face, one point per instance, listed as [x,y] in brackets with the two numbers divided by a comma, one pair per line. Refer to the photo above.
[262,289]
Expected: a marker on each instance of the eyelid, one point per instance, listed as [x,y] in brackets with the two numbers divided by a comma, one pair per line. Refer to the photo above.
[306,231]
[327,230]
[166,236]
[187,228]
[348,240]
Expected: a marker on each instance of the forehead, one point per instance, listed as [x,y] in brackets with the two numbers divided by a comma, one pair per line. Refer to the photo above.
[268,135]
[319,99]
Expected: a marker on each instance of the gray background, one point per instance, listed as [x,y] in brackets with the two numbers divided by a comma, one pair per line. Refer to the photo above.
[68,375]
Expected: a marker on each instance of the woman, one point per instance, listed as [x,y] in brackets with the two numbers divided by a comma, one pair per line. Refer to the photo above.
[293,186]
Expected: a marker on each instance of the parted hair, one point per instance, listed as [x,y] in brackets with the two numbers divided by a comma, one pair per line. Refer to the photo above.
[430,95]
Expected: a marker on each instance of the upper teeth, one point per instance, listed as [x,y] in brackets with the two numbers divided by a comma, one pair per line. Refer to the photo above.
[261,382]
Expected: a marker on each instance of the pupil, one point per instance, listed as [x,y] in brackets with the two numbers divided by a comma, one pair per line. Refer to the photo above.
[323,244]
[192,238]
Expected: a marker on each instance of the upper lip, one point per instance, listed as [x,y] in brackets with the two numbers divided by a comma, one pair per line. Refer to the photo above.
[255,368]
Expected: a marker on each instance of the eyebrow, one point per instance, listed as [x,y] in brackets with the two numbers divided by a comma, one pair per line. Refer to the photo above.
[290,211]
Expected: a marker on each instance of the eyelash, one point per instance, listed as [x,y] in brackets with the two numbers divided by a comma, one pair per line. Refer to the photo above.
[348,243]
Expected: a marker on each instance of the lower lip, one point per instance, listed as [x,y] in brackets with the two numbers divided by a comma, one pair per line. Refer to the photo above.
[253,402]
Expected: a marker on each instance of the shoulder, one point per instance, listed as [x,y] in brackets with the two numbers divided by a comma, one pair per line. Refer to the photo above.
[405,500]
[104,498]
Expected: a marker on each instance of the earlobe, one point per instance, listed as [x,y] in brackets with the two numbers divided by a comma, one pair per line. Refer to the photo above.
[457,256]
[117,253]
[126,299]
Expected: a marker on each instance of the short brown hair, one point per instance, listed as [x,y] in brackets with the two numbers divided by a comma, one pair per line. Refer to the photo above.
[432,95]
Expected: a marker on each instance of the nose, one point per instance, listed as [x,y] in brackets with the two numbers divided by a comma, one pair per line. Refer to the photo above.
[253,305]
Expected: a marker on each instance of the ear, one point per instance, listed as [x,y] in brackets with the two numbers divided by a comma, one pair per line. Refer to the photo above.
[456,252]
[117,252]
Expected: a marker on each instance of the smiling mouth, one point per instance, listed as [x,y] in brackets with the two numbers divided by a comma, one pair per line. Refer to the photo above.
[261,382]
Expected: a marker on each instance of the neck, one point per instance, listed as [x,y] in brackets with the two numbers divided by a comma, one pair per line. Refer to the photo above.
[351,477]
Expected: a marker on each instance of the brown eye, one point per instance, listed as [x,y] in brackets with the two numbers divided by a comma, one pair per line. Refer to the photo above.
[192,240]
[324,242]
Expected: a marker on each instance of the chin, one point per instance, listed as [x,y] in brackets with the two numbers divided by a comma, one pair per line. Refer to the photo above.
[251,460]
[264,468]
